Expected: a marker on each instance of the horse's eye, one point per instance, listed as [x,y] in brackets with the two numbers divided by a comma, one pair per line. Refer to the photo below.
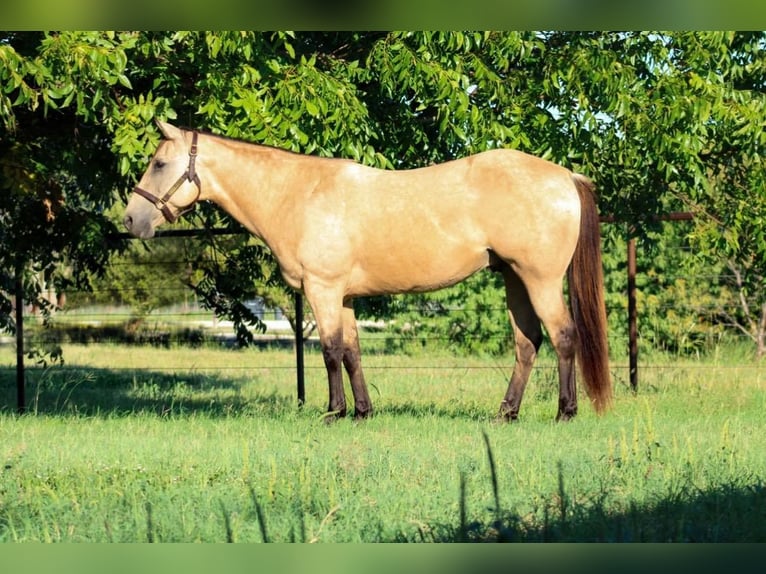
[159,164]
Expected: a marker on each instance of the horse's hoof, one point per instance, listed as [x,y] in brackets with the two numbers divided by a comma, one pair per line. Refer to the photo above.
[331,416]
[564,417]
[505,417]
[362,415]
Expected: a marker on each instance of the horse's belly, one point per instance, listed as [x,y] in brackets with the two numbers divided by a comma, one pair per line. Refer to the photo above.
[412,271]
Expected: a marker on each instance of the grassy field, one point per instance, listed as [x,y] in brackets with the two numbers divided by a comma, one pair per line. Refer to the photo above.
[142,444]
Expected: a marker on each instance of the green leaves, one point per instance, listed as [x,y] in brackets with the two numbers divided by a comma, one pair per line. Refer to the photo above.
[661,121]
[16,91]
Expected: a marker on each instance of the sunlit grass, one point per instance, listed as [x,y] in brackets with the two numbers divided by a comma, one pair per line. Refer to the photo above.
[143,444]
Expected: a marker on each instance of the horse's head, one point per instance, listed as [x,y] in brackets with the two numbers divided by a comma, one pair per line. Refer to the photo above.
[169,187]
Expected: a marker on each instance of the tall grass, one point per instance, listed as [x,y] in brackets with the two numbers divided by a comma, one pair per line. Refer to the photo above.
[159,445]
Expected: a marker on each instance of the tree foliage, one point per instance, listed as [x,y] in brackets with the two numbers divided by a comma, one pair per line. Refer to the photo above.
[661,121]
[56,172]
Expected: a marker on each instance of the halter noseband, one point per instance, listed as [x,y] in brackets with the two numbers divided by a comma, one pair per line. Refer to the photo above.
[189,175]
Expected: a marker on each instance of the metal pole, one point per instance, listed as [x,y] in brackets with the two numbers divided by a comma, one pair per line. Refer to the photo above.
[21,400]
[632,315]
[299,348]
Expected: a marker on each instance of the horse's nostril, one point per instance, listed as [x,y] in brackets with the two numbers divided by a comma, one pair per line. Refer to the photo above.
[128,222]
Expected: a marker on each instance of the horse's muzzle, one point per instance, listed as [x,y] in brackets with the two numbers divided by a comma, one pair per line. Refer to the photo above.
[142,232]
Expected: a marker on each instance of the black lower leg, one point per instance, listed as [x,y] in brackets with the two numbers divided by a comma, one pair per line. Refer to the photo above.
[353,363]
[567,384]
[332,358]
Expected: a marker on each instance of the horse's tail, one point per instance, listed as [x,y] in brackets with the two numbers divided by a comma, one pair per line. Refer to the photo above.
[586,295]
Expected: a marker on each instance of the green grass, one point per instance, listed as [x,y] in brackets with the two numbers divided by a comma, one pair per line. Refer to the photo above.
[208,445]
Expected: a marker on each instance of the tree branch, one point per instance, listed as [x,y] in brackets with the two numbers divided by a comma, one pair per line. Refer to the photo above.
[741,294]
[730,321]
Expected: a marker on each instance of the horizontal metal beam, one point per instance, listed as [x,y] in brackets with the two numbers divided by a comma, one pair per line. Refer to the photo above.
[183,233]
[672,216]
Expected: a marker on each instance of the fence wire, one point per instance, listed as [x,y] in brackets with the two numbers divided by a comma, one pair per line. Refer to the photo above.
[100,316]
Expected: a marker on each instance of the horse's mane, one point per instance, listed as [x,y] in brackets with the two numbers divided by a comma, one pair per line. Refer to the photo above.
[244,141]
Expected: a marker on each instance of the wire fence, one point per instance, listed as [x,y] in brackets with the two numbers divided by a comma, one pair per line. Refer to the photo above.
[190,323]
[105,316]
[102,316]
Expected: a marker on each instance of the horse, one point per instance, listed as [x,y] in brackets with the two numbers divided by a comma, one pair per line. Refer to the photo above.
[340,230]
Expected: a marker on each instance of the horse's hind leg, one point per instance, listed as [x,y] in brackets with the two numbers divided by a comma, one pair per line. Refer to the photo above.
[547,298]
[527,336]
[352,360]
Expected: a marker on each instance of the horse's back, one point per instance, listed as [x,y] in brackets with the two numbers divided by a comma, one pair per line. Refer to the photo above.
[426,228]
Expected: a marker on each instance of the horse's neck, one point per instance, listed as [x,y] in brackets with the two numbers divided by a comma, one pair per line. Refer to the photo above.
[251,183]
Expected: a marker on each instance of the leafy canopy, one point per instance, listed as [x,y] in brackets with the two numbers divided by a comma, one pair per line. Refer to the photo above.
[661,121]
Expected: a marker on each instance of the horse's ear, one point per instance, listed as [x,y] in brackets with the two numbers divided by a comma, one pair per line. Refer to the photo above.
[169,131]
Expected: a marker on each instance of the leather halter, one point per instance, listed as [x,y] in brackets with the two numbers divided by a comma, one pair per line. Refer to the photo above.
[189,175]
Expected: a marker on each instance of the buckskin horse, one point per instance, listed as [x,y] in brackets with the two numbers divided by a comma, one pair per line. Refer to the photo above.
[341,230]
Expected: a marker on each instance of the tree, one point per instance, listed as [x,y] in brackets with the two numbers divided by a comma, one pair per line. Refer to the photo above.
[651,117]
[641,113]
[54,167]
[661,121]
[731,206]
[732,228]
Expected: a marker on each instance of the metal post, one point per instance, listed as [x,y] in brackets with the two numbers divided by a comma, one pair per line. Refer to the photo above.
[21,400]
[299,348]
[632,315]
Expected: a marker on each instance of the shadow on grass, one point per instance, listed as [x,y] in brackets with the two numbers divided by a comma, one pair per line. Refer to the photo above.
[733,511]
[89,391]
[73,390]
[726,513]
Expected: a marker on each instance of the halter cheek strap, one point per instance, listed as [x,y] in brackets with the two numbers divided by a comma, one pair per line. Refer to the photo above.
[190,174]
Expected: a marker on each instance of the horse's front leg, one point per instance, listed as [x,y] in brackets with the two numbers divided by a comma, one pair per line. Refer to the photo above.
[352,359]
[327,305]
